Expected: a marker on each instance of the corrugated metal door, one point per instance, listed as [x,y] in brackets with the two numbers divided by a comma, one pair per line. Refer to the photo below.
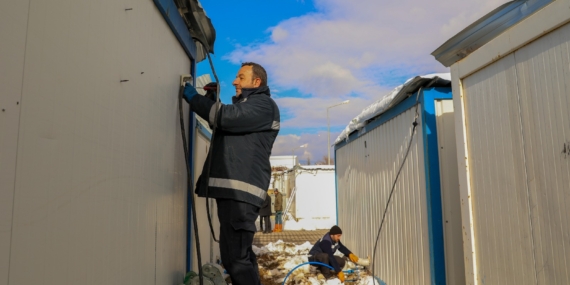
[518,126]
[366,169]
[543,75]
[503,240]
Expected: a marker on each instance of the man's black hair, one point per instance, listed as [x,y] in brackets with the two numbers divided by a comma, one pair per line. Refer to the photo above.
[258,72]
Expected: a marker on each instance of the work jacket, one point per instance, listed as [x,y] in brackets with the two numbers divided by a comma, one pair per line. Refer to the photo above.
[278,202]
[266,207]
[326,245]
[241,147]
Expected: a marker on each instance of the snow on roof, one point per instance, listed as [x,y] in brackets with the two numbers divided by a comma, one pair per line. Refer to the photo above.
[391,99]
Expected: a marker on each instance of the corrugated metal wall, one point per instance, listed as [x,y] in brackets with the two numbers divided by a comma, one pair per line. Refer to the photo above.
[518,126]
[93,166]
[210,251]
[366,169]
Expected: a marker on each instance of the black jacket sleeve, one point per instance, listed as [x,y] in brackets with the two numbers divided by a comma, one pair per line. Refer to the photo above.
[343,249]
[325,246]
[253,115]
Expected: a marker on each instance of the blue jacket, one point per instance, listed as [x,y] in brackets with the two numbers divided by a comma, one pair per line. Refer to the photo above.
[245,133]
[326,245]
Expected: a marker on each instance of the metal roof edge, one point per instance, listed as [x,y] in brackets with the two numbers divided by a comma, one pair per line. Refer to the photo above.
[486,29]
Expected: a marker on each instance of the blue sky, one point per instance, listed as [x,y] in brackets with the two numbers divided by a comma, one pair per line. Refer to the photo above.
[318,53]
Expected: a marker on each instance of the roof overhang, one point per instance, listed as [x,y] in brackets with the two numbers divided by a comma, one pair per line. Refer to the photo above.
[486,29]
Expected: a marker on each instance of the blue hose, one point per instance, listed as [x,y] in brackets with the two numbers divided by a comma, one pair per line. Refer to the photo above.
[310,262]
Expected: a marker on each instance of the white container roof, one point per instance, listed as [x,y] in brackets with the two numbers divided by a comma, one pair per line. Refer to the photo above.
[392,99]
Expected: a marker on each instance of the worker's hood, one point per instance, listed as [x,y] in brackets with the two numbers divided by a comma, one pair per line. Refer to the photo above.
[199,25]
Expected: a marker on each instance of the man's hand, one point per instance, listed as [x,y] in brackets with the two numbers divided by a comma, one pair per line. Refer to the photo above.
[189,92]
[341,276]
[353,258]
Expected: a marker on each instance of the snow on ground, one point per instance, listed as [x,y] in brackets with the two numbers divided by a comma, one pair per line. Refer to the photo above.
[277,259]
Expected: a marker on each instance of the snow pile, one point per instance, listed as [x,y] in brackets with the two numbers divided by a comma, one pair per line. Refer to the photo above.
[307,224]
[397,95]
[277,259]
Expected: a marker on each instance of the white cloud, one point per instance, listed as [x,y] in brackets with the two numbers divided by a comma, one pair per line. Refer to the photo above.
[339,52]
[312,112]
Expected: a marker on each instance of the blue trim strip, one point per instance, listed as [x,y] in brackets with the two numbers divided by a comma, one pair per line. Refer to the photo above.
[170,13]
[190,191]
[190,195]
[433,183]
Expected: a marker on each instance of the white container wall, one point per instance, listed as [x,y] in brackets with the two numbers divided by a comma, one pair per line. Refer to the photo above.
[315,201]
[92,175]
[512,139]
[209,249]
[366,169]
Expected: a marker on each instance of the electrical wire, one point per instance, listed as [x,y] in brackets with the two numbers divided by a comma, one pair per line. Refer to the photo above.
[189,184]
[214,128]
[415,124]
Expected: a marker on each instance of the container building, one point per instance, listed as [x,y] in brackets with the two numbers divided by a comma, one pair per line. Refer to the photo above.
[93,184]
[511,92]
[421,241]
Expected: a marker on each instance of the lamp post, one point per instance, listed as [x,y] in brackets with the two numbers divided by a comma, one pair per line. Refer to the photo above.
[329,128]
[293,152]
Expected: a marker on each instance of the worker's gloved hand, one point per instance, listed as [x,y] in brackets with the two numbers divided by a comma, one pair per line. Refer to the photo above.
[189,92]
[341,276]
[353,258]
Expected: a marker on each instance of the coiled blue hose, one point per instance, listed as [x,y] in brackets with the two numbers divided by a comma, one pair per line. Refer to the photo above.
[310,262]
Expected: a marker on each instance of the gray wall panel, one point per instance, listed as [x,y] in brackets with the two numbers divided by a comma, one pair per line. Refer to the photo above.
[100,193]
[13,14]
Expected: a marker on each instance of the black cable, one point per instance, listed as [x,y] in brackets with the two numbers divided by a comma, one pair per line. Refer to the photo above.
[415,124]
[214,127]
[189,185]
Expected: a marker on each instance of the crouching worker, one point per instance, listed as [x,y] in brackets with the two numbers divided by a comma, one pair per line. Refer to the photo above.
[324,249]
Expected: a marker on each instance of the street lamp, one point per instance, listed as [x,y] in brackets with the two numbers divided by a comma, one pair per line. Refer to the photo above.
[329,128]
[293,152]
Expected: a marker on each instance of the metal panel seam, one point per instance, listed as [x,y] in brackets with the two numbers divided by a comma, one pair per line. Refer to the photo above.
[18,144]
[525,167]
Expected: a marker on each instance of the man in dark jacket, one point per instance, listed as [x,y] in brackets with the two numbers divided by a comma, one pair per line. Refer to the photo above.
[240,169]
[265,214]
[324,249]
[278,211]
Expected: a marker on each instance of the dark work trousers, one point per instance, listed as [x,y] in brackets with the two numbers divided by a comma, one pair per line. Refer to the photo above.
[237,227]
[267,222]
[261,224]
[324,258]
